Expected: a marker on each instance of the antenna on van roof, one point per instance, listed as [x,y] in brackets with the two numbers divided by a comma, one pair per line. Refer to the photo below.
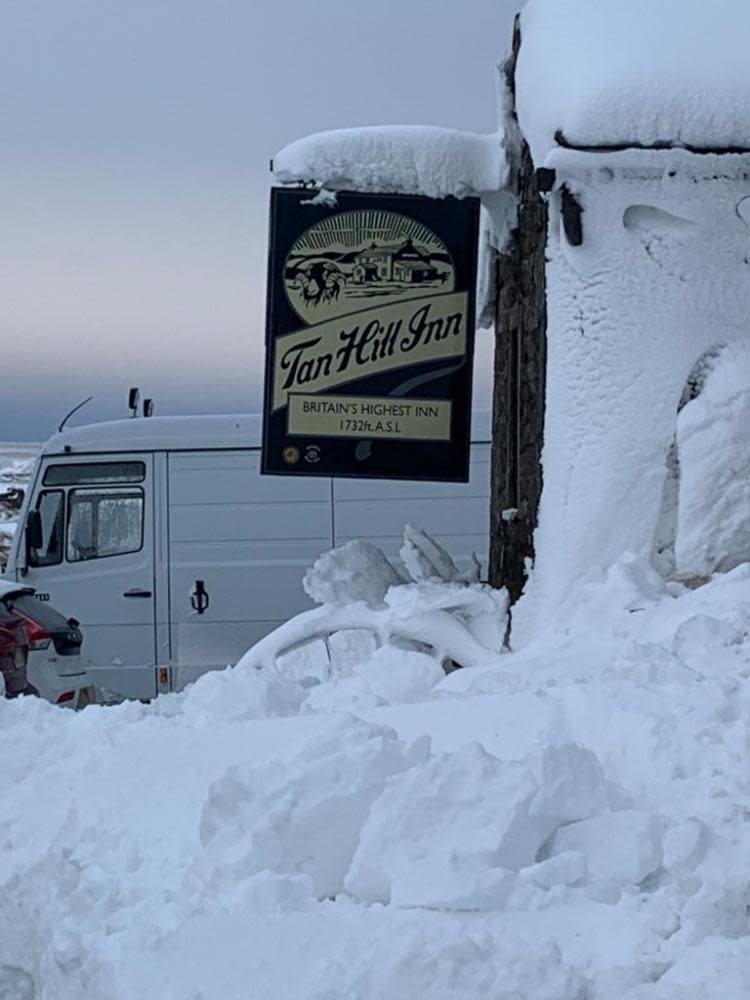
[148,407]
[133,396]
[75,409]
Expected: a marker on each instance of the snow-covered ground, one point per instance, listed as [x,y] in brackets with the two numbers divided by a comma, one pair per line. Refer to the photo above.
[16,461]
[561,823]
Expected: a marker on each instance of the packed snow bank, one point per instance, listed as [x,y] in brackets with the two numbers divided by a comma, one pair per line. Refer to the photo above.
[713,451]
[564,823]
[16,463]
[275,816]
[454,832]
[405,159]
[605,72]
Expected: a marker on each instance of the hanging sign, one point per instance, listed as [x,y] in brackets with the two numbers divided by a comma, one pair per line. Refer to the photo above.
[370,335]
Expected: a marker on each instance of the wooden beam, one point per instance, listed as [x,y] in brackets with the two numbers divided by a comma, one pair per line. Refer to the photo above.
[520,372]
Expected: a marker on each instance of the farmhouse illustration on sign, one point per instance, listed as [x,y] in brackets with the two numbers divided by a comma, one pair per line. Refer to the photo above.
[647,272]
[356,256]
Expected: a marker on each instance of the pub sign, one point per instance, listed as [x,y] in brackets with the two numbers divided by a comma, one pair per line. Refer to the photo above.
[370,335]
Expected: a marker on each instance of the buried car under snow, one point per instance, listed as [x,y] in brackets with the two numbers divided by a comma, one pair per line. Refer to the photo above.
[53,669]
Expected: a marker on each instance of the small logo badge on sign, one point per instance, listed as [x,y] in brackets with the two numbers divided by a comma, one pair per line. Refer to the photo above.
[290,455]
[312,454]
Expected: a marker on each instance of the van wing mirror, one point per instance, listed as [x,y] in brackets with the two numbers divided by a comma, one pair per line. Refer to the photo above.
[34,539]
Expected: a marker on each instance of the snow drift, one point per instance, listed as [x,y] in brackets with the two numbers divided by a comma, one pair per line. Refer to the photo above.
[562,823]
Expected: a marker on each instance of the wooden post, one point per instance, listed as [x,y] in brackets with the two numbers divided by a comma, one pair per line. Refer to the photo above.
[520,371]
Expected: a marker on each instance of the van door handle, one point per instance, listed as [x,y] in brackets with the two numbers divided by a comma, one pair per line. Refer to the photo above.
[199,597]
[137,592]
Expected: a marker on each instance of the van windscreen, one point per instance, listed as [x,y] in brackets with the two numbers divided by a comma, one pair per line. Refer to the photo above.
[94,473]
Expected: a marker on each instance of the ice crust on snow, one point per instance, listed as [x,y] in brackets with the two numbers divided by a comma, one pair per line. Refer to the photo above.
[407,159]
[604,72]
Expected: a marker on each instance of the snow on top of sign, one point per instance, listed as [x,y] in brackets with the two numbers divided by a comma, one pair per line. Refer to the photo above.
[404,159]
[645,72]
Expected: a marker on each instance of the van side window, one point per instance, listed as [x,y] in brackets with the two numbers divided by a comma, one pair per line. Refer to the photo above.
[104,523]
[94,473]
[50,505]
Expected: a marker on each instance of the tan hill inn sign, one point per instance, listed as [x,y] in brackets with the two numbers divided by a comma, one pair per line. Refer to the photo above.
[370,335]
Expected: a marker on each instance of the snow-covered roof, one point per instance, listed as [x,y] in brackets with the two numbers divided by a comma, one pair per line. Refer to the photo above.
[160,433]
[182,434]
[634,73]
[404,159]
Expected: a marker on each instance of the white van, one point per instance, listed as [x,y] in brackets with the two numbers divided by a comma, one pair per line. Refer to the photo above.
[160,535]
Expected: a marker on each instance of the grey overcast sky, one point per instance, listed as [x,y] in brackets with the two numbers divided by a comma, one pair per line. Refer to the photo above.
[136,138]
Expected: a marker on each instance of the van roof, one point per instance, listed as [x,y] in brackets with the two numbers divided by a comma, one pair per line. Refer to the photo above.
[222,430]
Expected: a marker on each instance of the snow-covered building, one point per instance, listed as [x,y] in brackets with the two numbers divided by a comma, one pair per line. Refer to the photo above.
[648,262]
[636,125]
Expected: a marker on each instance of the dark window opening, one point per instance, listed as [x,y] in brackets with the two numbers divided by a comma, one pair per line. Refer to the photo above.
[94,473]
[51,504]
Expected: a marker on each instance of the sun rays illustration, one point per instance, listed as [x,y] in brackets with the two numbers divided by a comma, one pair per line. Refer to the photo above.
[355,260]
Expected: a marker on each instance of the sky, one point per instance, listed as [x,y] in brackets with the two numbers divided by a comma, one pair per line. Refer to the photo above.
[134,176]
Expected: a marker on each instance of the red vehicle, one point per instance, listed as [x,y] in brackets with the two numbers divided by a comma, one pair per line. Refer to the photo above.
[14,654]
[53,667]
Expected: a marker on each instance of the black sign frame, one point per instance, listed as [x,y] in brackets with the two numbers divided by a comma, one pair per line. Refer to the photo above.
[384,391]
